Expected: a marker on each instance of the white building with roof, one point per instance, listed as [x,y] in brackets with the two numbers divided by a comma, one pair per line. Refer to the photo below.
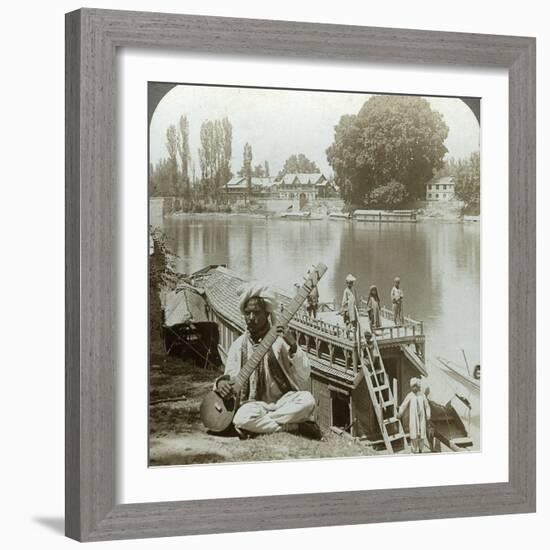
[302,188]
[237,186]
[441,189]
[305,187]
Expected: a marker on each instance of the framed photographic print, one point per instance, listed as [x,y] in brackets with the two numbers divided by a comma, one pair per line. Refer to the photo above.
[289,246]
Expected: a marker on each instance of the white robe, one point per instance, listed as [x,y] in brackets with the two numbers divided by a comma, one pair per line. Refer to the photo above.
[275,410]
[419,414]
[296,367]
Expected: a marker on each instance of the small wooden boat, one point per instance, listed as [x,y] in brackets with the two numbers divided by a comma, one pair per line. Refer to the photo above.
[459,374]
[448,428]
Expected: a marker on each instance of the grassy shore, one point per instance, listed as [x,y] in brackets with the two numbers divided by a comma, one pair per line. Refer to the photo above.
[177,436]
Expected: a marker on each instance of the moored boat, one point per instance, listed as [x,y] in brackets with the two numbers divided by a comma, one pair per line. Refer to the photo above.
[461,375]
[385,216]
[339,216]
[447,427]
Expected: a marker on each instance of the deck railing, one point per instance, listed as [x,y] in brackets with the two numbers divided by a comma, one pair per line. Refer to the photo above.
[330,329]
[401,331]
[410,329]
[387,313]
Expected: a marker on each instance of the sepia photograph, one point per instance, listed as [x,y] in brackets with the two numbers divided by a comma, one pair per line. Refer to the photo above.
[314,274]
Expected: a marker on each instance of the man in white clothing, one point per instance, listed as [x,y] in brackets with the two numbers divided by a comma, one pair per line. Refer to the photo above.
[276,397]
[418,408]
[397,302]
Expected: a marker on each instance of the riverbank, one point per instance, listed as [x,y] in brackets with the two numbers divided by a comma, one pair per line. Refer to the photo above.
[177,436]
[425,211]
[421,216]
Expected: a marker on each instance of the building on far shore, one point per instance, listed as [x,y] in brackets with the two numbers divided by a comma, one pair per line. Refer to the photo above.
[303,188]
[441,189]
[237,187]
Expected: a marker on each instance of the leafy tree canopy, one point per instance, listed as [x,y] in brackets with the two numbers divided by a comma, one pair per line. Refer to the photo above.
[298,164]
[389,195]
[467,182]
[392,138]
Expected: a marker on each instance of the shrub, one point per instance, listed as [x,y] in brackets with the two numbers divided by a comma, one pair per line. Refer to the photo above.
[390,195]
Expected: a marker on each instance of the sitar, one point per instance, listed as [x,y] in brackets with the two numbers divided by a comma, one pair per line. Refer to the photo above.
[216,412]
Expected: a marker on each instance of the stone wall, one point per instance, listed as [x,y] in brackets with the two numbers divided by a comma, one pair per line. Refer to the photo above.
[443,210]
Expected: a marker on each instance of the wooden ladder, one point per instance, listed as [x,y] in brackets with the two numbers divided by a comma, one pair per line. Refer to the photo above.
[383,400]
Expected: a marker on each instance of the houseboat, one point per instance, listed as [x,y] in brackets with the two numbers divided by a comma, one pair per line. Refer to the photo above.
[385,216]
[357,387]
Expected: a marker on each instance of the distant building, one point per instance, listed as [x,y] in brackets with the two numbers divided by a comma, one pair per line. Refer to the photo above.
[301,187]
[305,187]
[237,187]
[440,189]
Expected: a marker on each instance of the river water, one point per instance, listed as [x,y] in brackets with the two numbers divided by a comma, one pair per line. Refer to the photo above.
[438,263]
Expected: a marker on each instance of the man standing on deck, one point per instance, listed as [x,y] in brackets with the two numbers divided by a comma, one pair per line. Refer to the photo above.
[397,302]
[349,303]
[275,398]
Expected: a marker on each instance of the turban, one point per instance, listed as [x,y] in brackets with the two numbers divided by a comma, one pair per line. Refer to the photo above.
[257,290]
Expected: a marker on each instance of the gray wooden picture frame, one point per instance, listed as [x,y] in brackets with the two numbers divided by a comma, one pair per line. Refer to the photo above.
[92,39]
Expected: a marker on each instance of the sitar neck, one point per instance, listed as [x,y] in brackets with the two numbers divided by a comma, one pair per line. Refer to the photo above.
[283,318]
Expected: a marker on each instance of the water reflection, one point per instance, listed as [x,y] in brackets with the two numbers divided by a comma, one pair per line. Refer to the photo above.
[438,264]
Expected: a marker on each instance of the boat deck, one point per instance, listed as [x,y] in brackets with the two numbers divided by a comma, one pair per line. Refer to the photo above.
[220,286]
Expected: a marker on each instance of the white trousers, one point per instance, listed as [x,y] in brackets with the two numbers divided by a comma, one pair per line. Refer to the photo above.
[264,418]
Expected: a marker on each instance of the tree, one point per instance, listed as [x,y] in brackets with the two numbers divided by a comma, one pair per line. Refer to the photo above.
[449,168]
[258,171]
[227,149]
[390,195]
[183,150]
[215,156]
[246,170]
[298,164]
[160,178]
[467,182]
[392,138]
[161,276]
[206,160]
[172,146]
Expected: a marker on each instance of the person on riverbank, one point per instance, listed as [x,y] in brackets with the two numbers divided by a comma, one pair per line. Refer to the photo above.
[419,412]
[275,398]
[349,303]
[373,307]
[397,302]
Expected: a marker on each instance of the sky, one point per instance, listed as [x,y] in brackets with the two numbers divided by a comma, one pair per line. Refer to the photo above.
[280,123]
